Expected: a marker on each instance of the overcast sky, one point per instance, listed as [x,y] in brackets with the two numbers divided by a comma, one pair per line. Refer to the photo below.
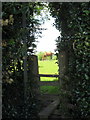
[47,42]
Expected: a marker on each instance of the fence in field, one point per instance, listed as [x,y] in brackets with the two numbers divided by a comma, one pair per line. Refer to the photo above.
[63,66]
[48,75]
[48,83]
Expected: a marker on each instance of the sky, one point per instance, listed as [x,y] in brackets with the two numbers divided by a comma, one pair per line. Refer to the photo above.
[47,42]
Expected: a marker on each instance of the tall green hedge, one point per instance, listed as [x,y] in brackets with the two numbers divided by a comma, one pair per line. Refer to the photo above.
[15,105]
[73,20]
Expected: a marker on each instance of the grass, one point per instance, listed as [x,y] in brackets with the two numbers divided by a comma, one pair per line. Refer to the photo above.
[49,89]
[48,67]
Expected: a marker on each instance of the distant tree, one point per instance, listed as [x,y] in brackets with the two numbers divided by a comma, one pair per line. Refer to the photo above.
[40,55]
[54,57]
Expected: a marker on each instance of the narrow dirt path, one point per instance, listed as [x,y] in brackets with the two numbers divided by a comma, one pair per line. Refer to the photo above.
[46,99]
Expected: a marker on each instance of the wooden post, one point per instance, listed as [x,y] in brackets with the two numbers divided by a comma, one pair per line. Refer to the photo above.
[0,63]
[63,64]
[35,71]
[63,68]
[25,54]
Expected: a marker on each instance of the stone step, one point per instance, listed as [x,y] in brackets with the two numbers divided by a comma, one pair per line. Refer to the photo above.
[47,111]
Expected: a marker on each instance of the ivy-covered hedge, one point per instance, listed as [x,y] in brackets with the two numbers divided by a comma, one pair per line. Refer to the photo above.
[73,20]
[15,105]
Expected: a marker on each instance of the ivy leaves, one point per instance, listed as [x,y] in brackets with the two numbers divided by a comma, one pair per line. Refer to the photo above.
[74,23]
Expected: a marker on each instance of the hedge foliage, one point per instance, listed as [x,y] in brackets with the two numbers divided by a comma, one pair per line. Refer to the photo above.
[15,105]
[73,20]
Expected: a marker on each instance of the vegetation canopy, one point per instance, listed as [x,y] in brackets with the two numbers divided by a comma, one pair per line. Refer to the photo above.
[20,29]
[72,19]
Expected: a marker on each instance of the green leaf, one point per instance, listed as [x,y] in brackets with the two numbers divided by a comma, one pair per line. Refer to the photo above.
[87,12]
[86,76]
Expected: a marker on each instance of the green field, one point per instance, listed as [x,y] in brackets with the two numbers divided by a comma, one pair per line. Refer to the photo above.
[48,67]
[50,89]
